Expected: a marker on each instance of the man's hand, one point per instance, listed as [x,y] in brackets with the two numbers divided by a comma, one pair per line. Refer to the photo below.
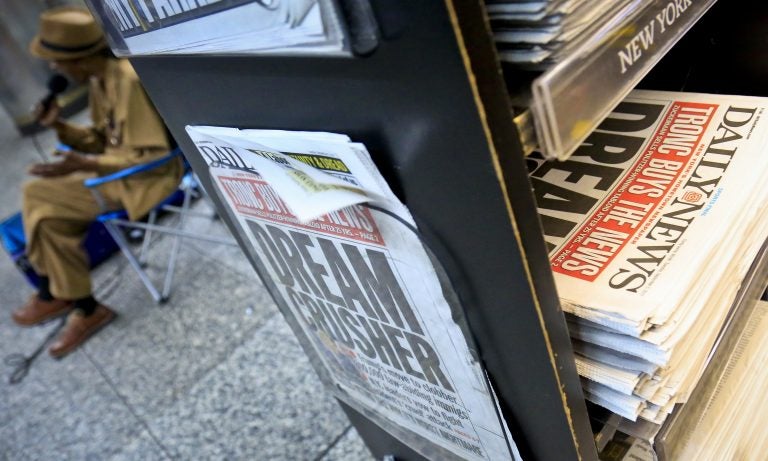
[70,163]
[47,118]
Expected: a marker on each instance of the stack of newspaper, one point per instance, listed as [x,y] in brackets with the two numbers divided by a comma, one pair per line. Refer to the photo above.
[232,26]
[723,425]
[651,227]
[536,34]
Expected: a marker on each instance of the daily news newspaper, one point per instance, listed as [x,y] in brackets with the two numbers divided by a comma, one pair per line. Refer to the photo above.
[638,208]
[651,227]
[360,285]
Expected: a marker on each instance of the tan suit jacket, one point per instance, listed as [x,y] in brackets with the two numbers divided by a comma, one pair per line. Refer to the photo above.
[127,131]
[58,211]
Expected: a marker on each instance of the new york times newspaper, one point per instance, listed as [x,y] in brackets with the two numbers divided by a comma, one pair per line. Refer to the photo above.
[633,221]
[366,296]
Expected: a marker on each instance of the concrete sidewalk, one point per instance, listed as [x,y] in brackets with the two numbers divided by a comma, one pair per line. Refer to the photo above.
[213,374]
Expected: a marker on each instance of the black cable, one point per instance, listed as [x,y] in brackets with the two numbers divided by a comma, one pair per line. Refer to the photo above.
[39,148]
[320,456]
[429,248]
[22,363]
[461,304]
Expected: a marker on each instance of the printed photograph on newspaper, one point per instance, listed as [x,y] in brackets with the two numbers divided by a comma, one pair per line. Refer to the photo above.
[361,286]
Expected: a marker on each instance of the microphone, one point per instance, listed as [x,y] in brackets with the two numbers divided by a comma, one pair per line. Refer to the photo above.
[56,85]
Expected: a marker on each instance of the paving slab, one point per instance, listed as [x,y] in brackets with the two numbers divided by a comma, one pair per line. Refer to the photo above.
[263,402]
[65,410]
[143,447]
[163,350]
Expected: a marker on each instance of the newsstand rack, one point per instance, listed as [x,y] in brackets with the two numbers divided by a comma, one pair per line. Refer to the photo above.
[432,106]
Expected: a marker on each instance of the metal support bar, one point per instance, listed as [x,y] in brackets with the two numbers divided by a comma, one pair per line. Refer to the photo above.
[176,245]
[147,238]
[172,231]
[179,210]
[126,249]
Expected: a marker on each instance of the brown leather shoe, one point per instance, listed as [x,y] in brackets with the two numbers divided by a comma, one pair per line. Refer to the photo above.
[79,328]
[35,311]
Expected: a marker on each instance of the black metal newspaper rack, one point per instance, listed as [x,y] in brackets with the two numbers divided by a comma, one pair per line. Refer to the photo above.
[432,107]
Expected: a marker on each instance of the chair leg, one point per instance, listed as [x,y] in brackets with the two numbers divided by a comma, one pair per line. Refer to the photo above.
[119,238]
[207,198]
[147,238]
[176,245]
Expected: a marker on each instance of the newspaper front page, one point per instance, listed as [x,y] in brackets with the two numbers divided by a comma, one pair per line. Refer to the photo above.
[643,200]
[363,290]
[651,227]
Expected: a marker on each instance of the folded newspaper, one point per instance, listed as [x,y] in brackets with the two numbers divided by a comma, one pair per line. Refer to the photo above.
[538,34]
[342,257]
[722,423]
[141,27]
[651,227]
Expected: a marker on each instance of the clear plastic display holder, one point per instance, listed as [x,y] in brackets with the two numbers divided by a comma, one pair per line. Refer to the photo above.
[573,97]
[683,426]
[668,441]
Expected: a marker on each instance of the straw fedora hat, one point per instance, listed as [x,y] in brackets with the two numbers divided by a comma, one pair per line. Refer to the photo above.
[67,33]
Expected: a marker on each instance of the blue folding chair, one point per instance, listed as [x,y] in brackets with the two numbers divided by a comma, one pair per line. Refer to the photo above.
[178,202]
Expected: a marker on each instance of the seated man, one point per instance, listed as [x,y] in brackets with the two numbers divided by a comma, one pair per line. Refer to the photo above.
[57,208]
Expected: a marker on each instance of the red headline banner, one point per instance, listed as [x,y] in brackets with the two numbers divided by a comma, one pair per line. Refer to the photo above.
[641,190]
[254,197]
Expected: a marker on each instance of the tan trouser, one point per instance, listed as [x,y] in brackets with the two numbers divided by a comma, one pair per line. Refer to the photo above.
[56,214]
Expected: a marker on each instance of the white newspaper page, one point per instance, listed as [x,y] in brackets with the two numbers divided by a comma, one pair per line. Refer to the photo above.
[364,291]
[221,26]
[307,191]
[646,202]
[652,226]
